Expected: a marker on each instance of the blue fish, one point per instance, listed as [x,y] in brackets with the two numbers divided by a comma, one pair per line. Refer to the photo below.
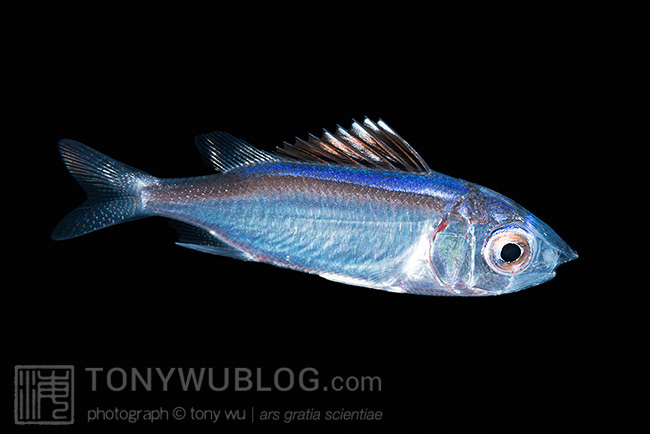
[357,206]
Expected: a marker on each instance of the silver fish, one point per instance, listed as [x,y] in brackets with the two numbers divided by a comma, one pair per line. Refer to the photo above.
[357,206]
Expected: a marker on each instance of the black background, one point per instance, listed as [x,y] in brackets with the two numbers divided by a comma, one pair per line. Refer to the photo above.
[503,103]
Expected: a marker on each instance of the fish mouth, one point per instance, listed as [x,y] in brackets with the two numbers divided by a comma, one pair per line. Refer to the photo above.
[556,249]
[566,255]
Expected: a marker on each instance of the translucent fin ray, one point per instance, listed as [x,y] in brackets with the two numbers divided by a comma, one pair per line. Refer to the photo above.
[224,152]
[112,188]
[202,240]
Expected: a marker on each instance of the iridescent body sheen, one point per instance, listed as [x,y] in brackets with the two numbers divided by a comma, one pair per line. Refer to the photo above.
[394,226]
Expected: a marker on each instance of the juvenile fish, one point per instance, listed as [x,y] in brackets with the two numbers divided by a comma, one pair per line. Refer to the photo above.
[357,206]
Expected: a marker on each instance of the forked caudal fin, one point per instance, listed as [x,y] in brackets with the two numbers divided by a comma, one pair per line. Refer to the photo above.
[112,188]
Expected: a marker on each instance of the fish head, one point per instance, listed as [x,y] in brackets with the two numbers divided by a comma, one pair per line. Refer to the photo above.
[512,248]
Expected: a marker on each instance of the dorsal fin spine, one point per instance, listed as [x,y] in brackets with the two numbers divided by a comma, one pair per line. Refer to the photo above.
[349,152]
[407,150]
[373,158]
[366,144]
[329,150]
[381,147]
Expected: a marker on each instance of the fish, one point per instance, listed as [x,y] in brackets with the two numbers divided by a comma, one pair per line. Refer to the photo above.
[358,206]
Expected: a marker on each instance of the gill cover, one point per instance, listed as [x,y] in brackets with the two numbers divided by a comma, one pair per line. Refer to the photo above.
[452,252]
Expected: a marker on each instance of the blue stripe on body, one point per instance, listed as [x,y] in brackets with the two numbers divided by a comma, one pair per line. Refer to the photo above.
[434,184]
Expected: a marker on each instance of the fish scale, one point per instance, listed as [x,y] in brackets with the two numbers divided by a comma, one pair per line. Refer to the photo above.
[315,224]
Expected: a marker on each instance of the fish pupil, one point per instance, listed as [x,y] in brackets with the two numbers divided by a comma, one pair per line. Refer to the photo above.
[510,252]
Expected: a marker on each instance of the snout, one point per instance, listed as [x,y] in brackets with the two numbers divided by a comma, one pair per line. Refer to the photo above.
[566,254]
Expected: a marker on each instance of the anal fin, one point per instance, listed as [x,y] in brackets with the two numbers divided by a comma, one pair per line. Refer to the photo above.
[203,240]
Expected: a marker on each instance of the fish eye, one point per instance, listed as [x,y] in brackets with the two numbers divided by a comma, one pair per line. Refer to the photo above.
[508,250]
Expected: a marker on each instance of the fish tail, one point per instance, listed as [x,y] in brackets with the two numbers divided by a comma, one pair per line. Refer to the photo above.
[114,191]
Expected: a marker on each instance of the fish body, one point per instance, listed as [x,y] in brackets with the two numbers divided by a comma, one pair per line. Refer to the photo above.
[359,207]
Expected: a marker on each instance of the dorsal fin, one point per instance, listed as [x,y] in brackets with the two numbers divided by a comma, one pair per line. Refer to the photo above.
[223,152]
[369,144]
